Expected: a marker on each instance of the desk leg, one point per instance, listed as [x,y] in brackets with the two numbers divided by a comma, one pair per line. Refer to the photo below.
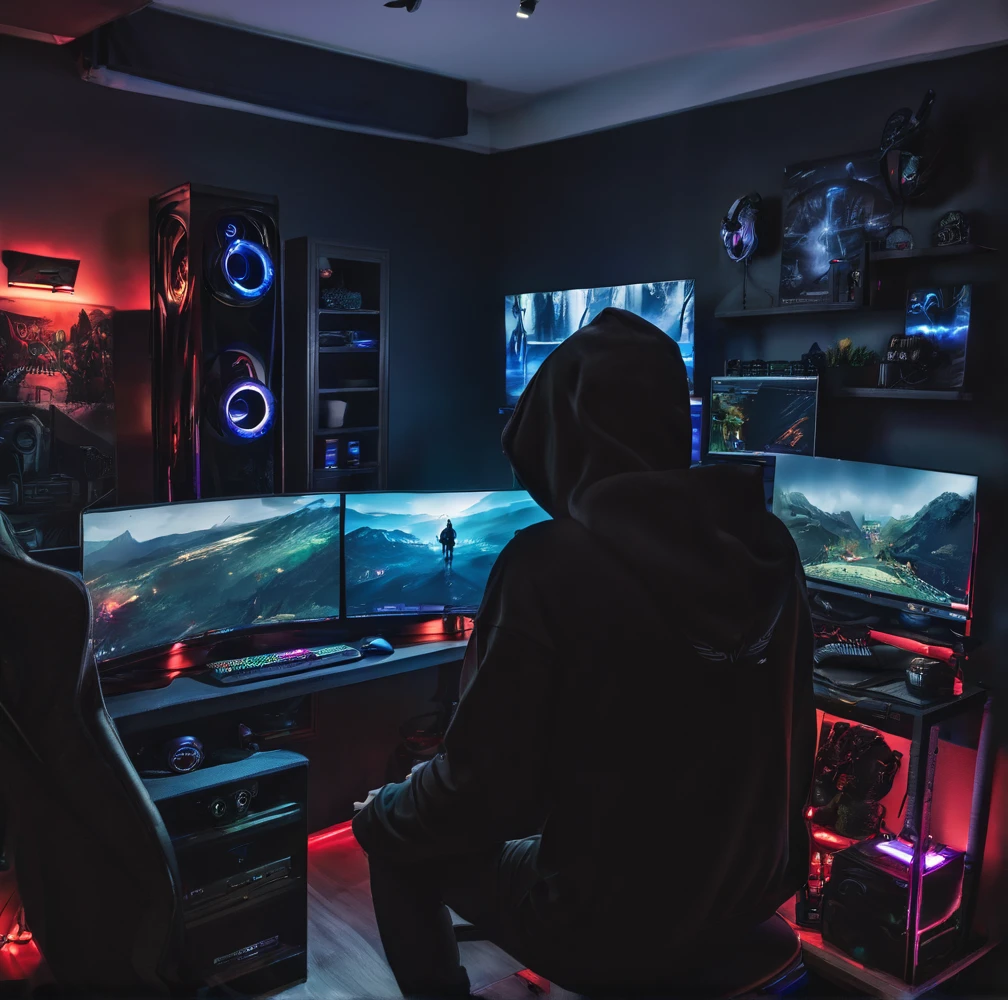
[919,820]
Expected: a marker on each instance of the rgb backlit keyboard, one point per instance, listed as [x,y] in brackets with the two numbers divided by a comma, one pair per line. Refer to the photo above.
[263,665]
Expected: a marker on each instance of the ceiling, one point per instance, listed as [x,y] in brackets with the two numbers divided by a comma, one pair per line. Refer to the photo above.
[629,59]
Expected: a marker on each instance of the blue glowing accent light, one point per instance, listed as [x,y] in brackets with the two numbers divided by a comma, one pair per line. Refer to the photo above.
[247,409]
[231,231]
[237,266]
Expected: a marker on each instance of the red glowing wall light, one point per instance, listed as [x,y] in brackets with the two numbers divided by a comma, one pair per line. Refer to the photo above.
[341,833]
[50,274]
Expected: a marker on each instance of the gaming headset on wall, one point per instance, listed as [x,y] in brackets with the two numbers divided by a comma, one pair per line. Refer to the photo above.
[738,228]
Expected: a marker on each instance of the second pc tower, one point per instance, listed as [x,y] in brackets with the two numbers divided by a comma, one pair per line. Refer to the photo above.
[216,349]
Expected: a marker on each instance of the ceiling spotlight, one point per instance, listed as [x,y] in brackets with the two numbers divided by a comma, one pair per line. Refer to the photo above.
[410,5]
[527,8]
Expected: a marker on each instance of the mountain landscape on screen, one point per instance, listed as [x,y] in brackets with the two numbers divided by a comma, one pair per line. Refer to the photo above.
[264,570]
[396,563]
[924,557]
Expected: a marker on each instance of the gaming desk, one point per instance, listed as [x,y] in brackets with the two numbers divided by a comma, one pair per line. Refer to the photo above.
[189,698]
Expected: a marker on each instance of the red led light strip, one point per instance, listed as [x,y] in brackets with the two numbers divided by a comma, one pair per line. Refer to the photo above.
[340,832]
[913,646]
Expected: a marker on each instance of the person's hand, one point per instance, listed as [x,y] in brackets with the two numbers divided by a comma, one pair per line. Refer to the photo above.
[359,806]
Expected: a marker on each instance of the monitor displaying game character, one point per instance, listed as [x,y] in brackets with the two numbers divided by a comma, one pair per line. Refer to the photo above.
[772,415]
[177,572]
[535,323]
[427,553]
[903,536]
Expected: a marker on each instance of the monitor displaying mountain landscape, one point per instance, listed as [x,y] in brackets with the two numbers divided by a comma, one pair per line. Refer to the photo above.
[403,557]
[173,572]
[534,324]
[902,534]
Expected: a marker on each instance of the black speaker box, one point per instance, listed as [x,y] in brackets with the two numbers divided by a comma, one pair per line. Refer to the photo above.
[239,832]
[216,349]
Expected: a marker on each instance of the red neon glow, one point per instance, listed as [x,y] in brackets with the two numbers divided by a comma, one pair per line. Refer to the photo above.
[68,289]
[341,832]
[913,646]
[833,839]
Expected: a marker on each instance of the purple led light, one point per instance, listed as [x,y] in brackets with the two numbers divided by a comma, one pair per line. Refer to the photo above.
[291,654]
[904,853]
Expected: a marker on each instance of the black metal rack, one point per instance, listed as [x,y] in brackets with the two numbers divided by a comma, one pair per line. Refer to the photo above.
[963,720]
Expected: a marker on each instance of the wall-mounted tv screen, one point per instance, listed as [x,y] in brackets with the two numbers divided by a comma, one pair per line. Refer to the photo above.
[905,536]
[772,415]
[535,323]
[427,553]
[696,419]
[174,572]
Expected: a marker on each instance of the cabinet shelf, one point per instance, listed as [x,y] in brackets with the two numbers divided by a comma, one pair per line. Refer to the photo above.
[331,431]
[328,370]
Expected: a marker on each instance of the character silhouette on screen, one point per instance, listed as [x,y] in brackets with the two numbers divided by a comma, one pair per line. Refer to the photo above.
[519,337]
[447,540]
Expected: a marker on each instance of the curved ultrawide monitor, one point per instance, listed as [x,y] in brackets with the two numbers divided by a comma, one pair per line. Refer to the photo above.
[171,573]
[403,557]
[901,537]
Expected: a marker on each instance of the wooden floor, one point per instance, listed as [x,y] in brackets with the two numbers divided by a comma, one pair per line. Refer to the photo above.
[345,957]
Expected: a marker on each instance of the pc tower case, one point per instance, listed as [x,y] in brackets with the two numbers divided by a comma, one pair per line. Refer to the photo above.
[216,351]
[865,904]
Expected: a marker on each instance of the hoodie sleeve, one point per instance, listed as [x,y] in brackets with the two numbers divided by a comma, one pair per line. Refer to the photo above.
[489,783]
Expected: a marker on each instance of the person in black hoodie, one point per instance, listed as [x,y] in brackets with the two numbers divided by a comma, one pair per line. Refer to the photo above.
[621,788]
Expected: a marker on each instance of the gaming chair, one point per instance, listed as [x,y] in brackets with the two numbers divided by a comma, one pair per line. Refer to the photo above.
[94,865]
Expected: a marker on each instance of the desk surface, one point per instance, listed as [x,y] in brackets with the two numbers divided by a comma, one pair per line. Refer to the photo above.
[188,698]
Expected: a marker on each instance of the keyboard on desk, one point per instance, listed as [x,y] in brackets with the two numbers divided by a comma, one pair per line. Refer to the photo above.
[263,666]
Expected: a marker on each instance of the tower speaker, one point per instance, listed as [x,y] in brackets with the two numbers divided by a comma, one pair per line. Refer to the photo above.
[216,351]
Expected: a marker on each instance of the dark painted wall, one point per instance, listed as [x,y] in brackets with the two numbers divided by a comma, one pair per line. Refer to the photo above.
[80,163]
[645,202]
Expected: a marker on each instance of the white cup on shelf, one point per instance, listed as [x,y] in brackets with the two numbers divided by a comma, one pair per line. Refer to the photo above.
[335,412]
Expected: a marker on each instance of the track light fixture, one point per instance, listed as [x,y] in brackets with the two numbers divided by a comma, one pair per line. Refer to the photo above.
[526,8]
[410,5]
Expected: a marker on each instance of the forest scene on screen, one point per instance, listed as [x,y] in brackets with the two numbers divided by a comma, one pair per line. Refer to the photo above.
[906,533]
[424,553]
[165,574]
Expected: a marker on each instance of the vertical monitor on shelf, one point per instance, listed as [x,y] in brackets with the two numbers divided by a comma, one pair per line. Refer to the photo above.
[182,572]
[534,324]
[427,553]
[772,415]
[904,538]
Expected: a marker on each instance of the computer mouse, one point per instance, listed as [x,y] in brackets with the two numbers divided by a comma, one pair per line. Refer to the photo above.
[375,646]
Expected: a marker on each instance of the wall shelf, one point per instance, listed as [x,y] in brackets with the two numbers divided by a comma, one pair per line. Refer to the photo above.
[349,350]
[351,388]
[908,394]
[957,250]
[800,310]
[349,312]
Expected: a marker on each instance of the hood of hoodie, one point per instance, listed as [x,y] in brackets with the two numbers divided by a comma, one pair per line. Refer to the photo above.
[602,434]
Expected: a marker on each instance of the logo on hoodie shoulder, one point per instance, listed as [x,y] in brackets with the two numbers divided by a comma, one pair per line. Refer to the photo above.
[745,651]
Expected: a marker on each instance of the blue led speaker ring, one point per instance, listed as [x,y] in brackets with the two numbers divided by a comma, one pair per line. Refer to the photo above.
[247,409]
[247,268]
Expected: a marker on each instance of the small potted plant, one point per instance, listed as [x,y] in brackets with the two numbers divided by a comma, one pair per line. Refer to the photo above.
[847,366]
